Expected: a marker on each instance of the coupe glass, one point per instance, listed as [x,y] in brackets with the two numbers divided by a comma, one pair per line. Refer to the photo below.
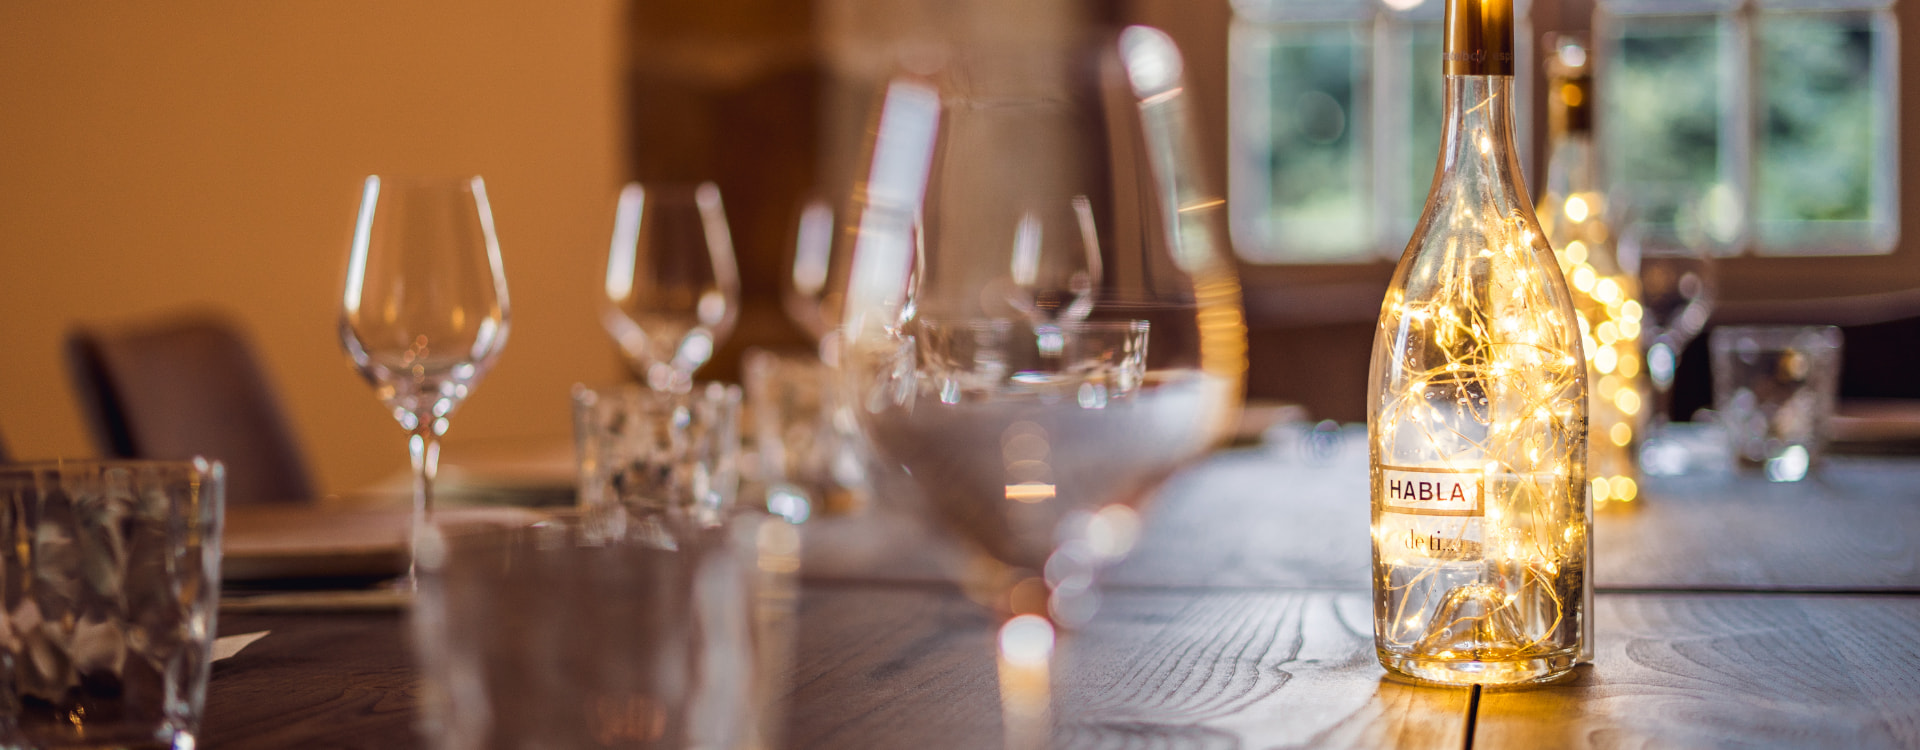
[423,311]
[1041,324]
[672,290]
[1677,284]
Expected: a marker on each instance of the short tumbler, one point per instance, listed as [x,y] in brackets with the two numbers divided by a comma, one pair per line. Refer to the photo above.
[646,452]
[1774,388]
[110,573]
[560,635]
[808,448]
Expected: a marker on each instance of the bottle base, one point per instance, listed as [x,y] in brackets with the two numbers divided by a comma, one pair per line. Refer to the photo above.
[1457,672]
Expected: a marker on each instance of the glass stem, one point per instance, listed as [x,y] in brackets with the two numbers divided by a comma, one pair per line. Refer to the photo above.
[1662,366]
[424,447]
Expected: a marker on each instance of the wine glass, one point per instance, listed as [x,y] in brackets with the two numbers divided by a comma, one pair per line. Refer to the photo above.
[807,292]
[1040,321]
[672,289]
[423,310]
[1678,287]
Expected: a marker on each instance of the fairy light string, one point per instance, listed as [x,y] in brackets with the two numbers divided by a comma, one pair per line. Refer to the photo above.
[1487,378]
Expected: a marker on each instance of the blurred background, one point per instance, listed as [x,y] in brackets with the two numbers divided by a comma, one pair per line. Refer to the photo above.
[206,157]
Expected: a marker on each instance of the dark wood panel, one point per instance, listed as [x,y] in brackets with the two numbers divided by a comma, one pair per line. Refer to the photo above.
[315,681]
[1729,671]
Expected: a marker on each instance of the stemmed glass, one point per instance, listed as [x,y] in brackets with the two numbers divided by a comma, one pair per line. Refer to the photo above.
[423,310]
[1678,287]
[672,289]
[1040,321]
[807,292]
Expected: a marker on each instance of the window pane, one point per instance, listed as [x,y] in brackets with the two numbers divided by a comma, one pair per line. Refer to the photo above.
[1418,47]
[1672,91]
[1413,116]
[1299,162]
[1825,177]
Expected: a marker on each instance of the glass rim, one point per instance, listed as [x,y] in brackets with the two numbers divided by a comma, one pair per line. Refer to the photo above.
[704,390]
[200,464]
[425,180]
[1828,336]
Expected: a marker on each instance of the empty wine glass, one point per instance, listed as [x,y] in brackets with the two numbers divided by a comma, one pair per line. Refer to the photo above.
[423,310]
[1677,285]
[1040,324]
[808,294]
[672,289]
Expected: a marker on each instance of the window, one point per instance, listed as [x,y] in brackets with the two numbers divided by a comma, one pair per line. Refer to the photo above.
[1334,112]
[1763,126]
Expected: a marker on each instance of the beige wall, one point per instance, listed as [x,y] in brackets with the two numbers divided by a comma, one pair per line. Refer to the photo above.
[207,154]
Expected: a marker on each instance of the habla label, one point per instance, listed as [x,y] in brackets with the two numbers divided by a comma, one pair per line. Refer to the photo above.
[1434,492]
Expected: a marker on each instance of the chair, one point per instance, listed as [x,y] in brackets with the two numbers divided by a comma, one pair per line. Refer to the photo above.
[187,387]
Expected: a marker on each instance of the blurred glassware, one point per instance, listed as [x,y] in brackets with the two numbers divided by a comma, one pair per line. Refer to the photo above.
[672,289]
[1037,396]
[808,293]
[1774,389]
[642,453]
[1574,214]
[423,311]
[1678,288]
[113,582]
[564,635]
[810,456]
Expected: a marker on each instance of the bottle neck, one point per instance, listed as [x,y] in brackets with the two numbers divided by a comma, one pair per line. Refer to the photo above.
[1479,38]
[1572,163]
[1478,144]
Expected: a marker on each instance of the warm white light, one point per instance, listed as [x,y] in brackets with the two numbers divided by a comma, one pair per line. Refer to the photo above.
[1628,401]
[1621,434]
[1583,278]
[1027,641]
[1577,209]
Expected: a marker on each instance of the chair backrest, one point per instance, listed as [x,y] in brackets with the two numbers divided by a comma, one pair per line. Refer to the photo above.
[183,388]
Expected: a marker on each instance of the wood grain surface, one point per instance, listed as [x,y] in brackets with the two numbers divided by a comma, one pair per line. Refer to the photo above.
[1732,614]
[914,667]
[315,681]
[1703,670]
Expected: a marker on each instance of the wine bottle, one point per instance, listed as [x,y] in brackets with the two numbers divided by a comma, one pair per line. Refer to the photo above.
[1573,212]
[1478,407]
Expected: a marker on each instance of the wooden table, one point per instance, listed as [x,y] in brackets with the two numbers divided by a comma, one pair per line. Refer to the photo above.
[1730,612]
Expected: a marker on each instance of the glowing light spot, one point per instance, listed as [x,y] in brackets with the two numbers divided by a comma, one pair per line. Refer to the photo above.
[1624,489]
[1027,641]
[1576,252]
[1112,531]
[1607,333]
[1030,492]
[1629,364]
[1621,434]
[1601,489]
[1628,401]
[1604,360]
[1583,278]
[1630,310]
[1577,209]
[1607,290]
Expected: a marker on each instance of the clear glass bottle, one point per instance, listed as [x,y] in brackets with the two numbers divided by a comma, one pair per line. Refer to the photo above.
[1573,212]
[1477,419]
